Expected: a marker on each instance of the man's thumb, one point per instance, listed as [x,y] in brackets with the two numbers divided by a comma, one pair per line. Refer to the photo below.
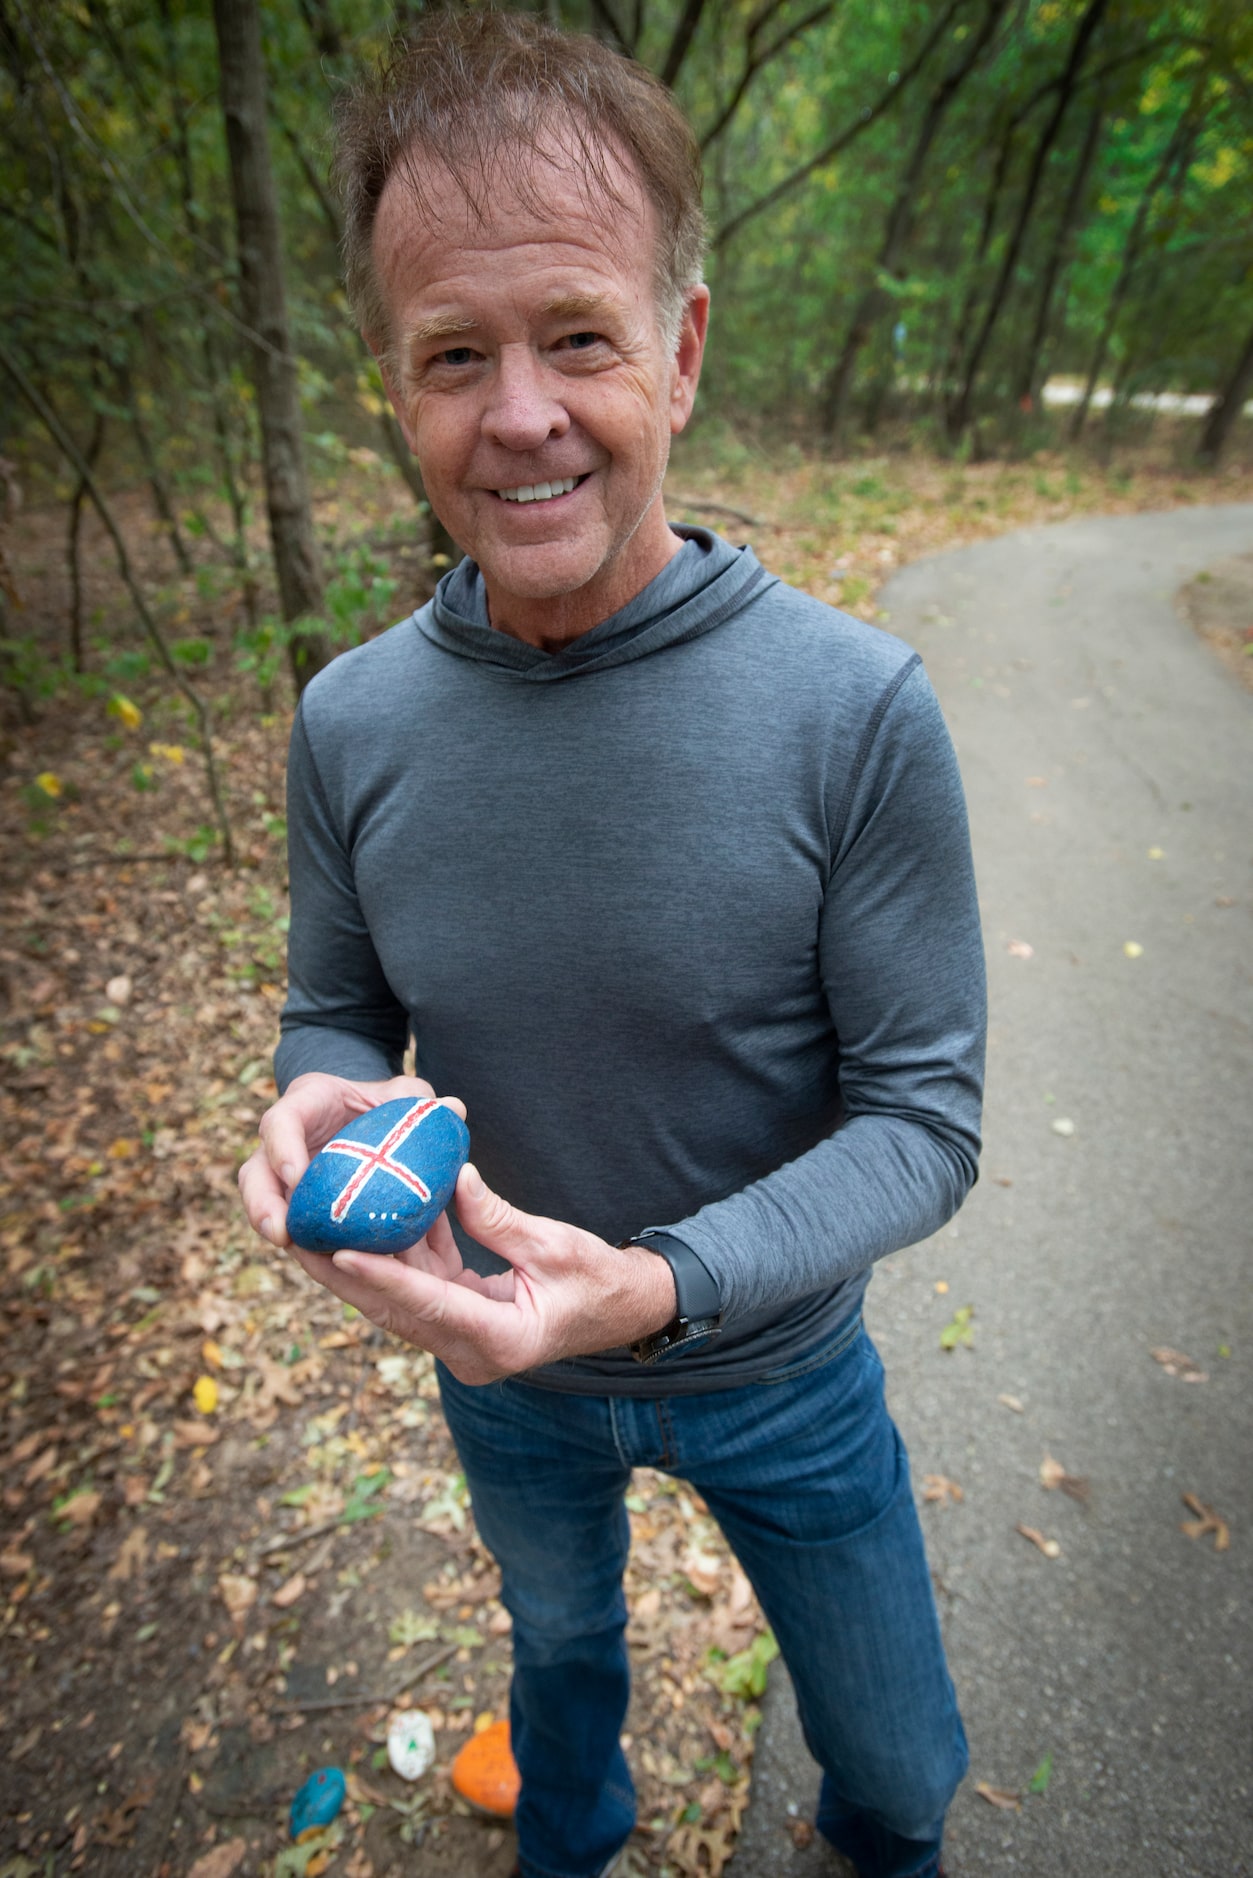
[488,1218]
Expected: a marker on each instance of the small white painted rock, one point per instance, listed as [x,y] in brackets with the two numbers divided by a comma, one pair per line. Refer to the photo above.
[410,1743]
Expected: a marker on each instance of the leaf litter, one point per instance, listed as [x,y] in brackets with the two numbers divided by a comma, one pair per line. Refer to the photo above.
[225,1495]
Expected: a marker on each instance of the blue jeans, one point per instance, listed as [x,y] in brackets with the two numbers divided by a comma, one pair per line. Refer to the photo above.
[808,1478]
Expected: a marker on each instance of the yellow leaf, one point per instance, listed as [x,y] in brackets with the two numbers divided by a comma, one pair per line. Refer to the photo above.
[211,1353]
[1133,949]
[206,1394]
[172,752]
[123,1149]
[49,782]
[130,714]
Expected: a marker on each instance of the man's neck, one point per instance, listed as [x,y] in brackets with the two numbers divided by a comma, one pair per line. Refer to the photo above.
[554,622]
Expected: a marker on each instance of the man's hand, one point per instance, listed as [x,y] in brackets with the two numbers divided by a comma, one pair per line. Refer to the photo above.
[568,1294]
[311,1113]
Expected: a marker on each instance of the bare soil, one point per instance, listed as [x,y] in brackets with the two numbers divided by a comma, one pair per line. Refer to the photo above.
[1219,606]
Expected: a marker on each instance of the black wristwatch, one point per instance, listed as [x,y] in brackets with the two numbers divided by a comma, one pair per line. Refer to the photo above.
[699,1313]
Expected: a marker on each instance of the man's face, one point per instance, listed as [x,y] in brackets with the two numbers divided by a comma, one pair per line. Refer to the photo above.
[529,358]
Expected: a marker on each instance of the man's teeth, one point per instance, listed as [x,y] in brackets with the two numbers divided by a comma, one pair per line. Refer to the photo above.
[538,492]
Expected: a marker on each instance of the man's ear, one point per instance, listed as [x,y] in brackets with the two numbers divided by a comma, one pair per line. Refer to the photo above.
[388,374]
[689,352]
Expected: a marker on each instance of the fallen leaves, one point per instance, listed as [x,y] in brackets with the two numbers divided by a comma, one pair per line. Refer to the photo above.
[238,1593]
[1049,1547]
[960,1329]
[1175,1363]
[1013,1403]
[1053,1476]
[938,1490]
[1206,1521]
[1063,1126]
[1001,1797]
[222,1862]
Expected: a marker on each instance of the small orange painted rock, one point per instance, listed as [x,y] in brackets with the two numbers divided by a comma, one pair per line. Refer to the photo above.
[484,1772]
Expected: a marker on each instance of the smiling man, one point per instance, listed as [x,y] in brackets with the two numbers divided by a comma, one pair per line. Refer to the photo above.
[663,867]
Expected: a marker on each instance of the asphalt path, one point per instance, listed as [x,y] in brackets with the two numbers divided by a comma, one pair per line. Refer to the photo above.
[1108,761]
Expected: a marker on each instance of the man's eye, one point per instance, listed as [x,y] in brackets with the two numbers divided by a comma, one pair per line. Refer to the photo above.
[579,342]
[456,355]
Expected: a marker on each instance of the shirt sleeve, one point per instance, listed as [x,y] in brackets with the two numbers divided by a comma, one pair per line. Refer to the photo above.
[901,959]
[341,1014]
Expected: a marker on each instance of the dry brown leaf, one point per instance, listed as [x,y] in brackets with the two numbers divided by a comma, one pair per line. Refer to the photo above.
[81,1510]
[802,1833]
[938,1489]
[1049,1547]
[999,1796]
[116,1825]
[700,1851]
[132,1555]
[23,1449]
[1175,1363]
[16,1564]
[1054,1475]
[44,1465]
[189,1434]
[1207,1520]
[222,1862]
[238,1593]
[288,1593]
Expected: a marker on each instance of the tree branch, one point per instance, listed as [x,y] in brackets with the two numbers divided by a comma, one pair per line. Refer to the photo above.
[869,115]
[70,450]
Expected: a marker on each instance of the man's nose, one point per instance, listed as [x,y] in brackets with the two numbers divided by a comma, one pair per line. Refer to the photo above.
[524,409]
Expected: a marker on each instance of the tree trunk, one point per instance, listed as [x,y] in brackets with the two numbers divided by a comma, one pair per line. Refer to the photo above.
[1227,406]
[960,410]
[876,300]
[1178,150]
[1031,372]
[264,306]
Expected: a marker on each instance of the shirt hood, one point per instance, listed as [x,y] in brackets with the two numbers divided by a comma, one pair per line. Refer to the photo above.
[704,584]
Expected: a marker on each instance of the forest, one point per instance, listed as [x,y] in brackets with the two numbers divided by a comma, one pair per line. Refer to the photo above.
[921,213]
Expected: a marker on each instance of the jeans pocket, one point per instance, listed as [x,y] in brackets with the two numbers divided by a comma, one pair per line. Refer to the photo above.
[840,1341]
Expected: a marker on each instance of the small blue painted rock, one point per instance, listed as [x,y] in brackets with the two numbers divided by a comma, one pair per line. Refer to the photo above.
[383,1181]
[318,1802]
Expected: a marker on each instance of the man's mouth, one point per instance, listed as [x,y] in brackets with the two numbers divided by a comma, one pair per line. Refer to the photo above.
[540,492]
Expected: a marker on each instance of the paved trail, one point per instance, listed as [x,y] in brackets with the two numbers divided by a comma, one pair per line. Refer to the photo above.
[1108,761]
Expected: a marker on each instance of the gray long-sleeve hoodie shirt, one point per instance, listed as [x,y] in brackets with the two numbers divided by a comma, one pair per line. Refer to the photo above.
[684,913]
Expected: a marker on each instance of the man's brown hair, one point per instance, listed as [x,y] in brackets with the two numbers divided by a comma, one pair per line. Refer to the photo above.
[465,86]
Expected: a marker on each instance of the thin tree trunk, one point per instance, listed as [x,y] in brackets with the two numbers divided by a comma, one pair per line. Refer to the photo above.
[960,411]
[215,371]
[264,306]
[69,449]
[866,117]
[1227,407]
[72,542]
[1031,372]
[1178,150]
[876,300]
[156,479]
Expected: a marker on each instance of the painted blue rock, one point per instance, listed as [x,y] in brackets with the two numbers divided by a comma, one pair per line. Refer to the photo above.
[383,1181]
[318,1802]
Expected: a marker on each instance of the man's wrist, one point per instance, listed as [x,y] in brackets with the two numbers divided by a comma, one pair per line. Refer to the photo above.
[698,1303]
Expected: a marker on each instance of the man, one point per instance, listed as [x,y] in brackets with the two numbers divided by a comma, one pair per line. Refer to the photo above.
[664,866]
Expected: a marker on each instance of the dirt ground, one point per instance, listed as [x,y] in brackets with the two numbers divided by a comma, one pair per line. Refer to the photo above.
[1219,606]
[236,1536]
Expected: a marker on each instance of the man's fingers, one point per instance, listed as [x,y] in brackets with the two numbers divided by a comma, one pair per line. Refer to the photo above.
[265,1202]
[491,1220]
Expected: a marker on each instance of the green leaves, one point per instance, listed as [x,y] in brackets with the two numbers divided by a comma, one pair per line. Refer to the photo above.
[744,1674]
[960,1329]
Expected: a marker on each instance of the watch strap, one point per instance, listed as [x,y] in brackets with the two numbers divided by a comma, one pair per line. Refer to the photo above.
[698,1313]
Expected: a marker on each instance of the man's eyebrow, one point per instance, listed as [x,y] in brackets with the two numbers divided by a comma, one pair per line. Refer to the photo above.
[440,326]
[570,306]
